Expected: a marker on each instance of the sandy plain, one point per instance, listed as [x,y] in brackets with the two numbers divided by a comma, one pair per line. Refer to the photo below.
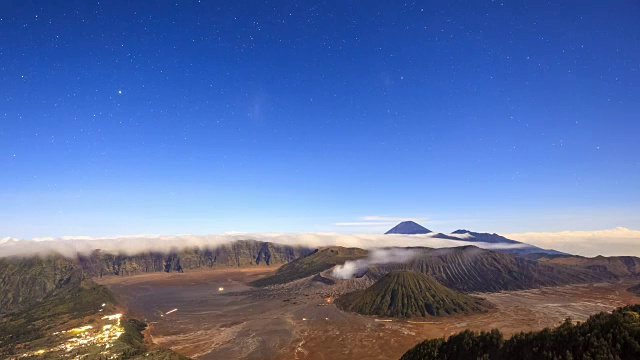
[239,322]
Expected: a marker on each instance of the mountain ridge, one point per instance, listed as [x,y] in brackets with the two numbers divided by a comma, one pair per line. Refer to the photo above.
[493,238]
[241,253]
[472,269]
[613,266]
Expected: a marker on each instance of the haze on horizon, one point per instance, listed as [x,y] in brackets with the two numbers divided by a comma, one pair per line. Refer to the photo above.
[211,117]
[613,242]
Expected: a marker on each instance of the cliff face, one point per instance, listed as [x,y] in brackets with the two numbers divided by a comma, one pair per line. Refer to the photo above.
[237,254]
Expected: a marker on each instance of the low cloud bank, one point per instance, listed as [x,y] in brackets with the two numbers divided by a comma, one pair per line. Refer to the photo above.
[613,242]
[376,257]
[71,246]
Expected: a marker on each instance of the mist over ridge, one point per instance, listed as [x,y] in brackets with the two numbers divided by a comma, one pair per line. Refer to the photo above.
[70,246]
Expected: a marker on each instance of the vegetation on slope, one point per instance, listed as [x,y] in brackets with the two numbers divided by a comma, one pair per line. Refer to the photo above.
[471,269]
[635,289]
[603,336]
[28,280]
[311,264]
[45,298]
[75,299]
[408,294]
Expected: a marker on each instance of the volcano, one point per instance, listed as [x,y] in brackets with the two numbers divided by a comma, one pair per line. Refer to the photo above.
[311,264]
[408,227]
[407,294]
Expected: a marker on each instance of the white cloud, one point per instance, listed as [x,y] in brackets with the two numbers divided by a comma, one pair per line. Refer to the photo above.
[612,242]
[70,245]
[617,241]
[7,239]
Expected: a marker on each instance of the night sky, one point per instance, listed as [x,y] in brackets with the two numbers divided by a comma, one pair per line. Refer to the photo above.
[128,117]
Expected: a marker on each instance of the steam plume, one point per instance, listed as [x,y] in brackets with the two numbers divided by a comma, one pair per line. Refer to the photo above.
[376,257]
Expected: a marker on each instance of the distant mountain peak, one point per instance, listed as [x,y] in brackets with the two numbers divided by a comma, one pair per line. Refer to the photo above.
[484,237]
[471,236]
[465,231]
[461,231]
[409,228]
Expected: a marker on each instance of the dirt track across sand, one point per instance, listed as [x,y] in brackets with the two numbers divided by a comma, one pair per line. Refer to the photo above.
[210,323]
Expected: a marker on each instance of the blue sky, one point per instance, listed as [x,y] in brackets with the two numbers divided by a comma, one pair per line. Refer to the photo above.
[204,117]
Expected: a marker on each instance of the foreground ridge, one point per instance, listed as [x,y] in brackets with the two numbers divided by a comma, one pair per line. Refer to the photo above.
[613,335]
[52,309]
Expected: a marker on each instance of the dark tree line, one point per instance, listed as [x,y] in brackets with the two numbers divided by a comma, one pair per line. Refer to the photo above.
[604,336]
